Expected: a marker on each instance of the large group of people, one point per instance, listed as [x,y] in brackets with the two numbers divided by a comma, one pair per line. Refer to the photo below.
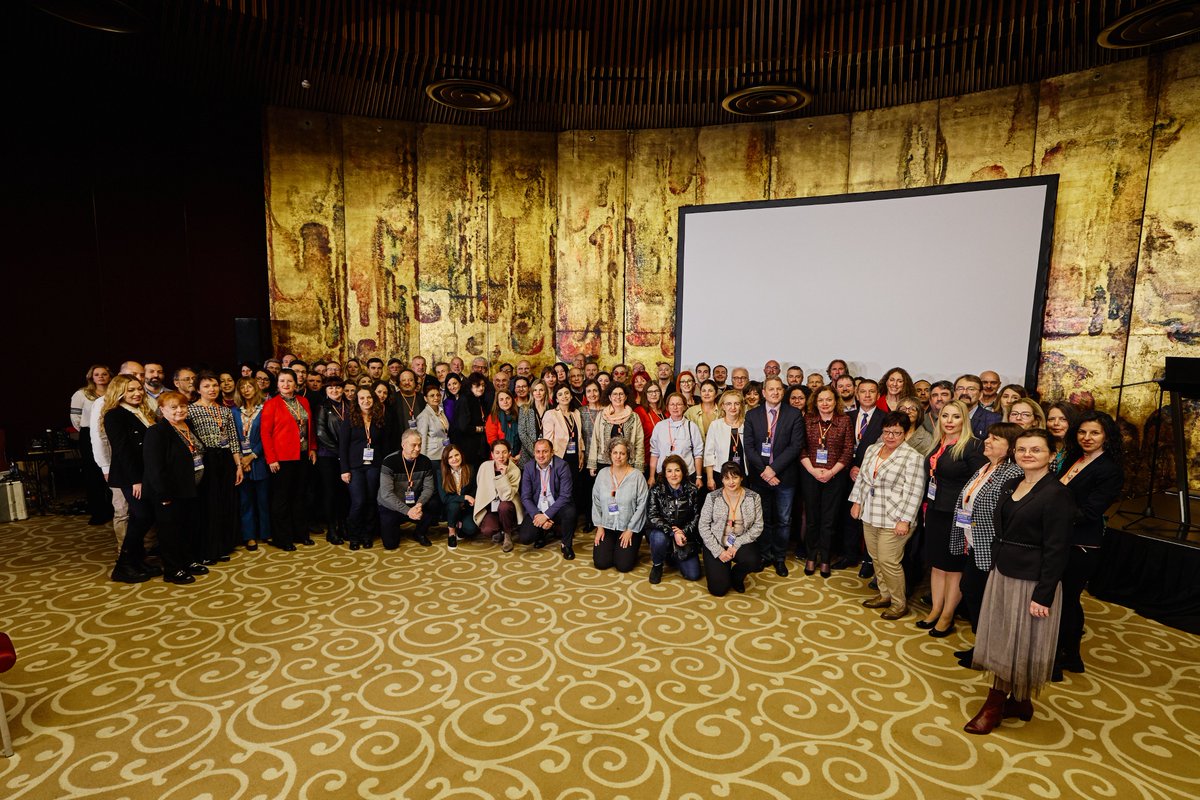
[1000,497]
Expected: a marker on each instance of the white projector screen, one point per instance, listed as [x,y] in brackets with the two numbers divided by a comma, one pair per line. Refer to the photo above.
[942,281]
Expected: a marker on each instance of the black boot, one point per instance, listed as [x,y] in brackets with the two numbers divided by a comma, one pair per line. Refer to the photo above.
[126,570]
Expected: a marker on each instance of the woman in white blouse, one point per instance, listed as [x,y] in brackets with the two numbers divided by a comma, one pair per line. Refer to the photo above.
[724,439]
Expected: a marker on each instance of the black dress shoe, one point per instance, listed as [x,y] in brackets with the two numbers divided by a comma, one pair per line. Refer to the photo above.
[825,573]
[738,583]
[568,553]
[179,577]
[656,573]
[222,559]
[252,546]
[196,568]
[334,540]
[1074,664]
[539,543]
[1056,675]
[925,626]
[127,573]
[354,545]
[938,633]
[810,568]
[451,540]
[867,570]
[287,548]
[309,541]
[209,562]
[965,655]
[781,568]
[423,540]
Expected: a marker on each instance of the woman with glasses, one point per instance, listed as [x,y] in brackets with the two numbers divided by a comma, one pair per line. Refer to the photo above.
[254,503]
[1027,413]
[917,437]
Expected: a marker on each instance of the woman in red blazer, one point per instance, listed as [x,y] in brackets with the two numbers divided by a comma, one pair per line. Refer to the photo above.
[288,439]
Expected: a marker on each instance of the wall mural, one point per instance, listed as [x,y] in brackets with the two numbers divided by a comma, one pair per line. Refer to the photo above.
[389,238]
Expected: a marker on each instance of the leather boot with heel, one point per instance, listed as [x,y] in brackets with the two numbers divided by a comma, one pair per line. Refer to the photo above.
[990,716]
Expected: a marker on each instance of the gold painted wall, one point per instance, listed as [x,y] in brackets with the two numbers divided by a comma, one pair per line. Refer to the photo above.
[394,238]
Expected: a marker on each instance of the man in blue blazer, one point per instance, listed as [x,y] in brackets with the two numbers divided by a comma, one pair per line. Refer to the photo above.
[546,490]
[969,388]
[774,435]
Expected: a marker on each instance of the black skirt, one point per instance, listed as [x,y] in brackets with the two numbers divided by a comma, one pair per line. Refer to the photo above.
[937,542]
[218,507]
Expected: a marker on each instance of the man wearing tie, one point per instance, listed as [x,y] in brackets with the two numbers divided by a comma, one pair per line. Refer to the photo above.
[774,436]
[867,423]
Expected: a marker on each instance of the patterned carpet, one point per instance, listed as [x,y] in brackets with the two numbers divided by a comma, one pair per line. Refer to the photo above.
[431,673]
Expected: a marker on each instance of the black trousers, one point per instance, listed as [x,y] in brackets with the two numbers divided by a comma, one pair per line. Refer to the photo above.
[824,504]
[363,519]
[289,521]
[335,495]
[1081,564]
[582,490]
[177,530]
[609,552]
[392,522]
[973,582]
[721,575]
[141,520]
[99,498]
[564,527]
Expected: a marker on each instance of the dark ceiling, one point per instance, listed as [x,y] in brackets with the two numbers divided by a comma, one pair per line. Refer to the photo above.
[580,64]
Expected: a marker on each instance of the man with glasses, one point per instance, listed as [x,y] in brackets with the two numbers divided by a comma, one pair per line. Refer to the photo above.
[969,388]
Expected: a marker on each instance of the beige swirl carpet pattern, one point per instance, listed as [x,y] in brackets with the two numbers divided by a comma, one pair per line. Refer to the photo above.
[431,673]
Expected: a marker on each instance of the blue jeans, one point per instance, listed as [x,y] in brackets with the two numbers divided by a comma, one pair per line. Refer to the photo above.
[777,520]
[256,510]
[662,550]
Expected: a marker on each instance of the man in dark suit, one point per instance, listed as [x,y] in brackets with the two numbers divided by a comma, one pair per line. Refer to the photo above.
[866,421]
[774,436]
[546,488]
[969,388]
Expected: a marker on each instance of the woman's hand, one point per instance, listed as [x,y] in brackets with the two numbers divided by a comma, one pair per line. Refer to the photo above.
[237,473]
[902,528]
[599,537]
[856,510]
[1038,610]
[712,485]
[137,491]
[345,477]
[247,460]
[273,466]
[626,538]
[469,500]
[727,554]
[593,472]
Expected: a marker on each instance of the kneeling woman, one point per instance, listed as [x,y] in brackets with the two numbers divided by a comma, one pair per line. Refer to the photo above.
[498,510]
[730,524]
[1018,623]
[620,501]
[674,522]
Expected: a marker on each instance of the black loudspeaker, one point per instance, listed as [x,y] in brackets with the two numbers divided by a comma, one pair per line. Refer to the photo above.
[252,339]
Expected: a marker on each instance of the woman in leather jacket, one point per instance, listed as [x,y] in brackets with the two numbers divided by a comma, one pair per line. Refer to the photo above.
[674,522]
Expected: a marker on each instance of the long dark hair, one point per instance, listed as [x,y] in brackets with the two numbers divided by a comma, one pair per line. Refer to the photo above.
[1114,445]
[448,473]
[377,409]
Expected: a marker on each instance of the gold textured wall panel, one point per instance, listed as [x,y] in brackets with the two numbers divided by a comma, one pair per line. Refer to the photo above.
[590,289]
[380,174]
[988,135]
[811,157]
[661,178]
[305,233]
[522,244]
[895,148]
[1167,295]
[1095,134]
[452,251]
[734,163]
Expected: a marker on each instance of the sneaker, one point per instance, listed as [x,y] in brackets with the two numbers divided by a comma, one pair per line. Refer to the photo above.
[452,540]
[656,573]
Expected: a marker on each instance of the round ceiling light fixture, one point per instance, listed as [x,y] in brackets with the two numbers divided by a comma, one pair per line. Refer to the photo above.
[766,101]
[1154,24]
[468,94]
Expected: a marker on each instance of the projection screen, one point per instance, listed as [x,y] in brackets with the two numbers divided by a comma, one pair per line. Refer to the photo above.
[943,281]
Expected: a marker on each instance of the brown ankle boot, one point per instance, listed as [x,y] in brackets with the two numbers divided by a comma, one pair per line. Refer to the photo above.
[990,715]
[1022,709]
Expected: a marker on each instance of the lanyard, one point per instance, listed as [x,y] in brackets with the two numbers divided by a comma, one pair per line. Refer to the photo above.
[933,459]
[879,459]
[976,484]
[734,508]
[187,438]
[218,419]
[823,431]
[367,431]
[410,406]
[408,473]
[671,433]
[544,476]
[339,409]
[616,484]
[248,420]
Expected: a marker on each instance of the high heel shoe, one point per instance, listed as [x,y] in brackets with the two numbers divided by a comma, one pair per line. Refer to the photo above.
[938,633]
[1021,709]
[825,571]
[810,567]
[925,625]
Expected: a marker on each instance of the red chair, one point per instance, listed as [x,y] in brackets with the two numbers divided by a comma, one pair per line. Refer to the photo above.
[8,657]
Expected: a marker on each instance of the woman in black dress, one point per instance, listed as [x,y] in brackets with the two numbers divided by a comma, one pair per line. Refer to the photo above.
[173,463]
[955,457]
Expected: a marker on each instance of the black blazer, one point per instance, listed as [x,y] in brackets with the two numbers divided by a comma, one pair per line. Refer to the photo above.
[789,441]
[353,438]
[1033,535]
[1094,489]
[125,435]
[983,419]
[168,470]
[870,435]
[953,473]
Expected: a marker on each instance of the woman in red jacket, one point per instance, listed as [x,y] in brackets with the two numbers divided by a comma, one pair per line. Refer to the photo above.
[287,437]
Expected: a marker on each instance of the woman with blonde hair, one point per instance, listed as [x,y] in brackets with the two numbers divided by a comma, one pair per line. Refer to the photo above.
[956,456]
[724,440]
[83,408]
[254,503]
[124,417]
[1027,413]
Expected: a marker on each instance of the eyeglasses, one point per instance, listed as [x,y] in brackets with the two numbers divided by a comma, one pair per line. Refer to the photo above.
[1021,414]
[892,432]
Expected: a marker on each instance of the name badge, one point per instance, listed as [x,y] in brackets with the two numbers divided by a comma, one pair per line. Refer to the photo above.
[410,497]
[222,444]
[368,455]
[962,518]
[766,449]
[445,442]
[198,462]
[822,456]
[571,447]
[412,423]
[613,508]
[729,540]
[543,503]
[246,449]
[495,504]
[931,492]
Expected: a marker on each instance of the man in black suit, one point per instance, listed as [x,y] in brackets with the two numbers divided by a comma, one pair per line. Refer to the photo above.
[969,388]
[866,421]
[774,436]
